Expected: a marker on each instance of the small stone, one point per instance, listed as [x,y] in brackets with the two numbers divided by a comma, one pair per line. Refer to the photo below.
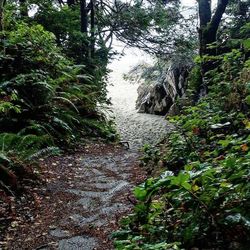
[78,242]
[59,233]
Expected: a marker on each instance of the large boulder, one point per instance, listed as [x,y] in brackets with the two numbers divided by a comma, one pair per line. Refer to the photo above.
[159,96]
[152,99]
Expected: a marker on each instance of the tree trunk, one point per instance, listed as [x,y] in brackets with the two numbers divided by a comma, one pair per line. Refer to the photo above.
[2,2]
[84,29]
[92,29]
[23,8]
[2,36]
[205,17]
[84,17]
[208,34]
[209,24]
[71,2]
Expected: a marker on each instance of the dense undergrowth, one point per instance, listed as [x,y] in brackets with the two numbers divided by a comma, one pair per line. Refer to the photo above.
[47,101]
[199,195]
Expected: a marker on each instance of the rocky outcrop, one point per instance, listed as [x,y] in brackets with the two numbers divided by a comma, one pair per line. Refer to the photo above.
[152,99]
[159,96]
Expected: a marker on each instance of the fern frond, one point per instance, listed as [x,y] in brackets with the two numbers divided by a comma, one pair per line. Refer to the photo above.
[45,85]
[40,129]
[69,95]
[62,124]
[49,151]
[7,140]
[4,158]
[34,141]
[88,78]
[68,101]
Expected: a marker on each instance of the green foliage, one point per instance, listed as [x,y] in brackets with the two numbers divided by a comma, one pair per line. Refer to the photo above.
[195,204]
[46,102]
[195,78]
[201,197]
[227,71]
[203,201]
[23,146]
[154,26]
[150,153]
[64,24]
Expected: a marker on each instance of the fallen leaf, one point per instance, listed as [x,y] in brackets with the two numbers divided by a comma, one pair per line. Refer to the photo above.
[244,147]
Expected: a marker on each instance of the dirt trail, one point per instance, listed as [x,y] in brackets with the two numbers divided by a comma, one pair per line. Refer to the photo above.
[87,192]
[85,195]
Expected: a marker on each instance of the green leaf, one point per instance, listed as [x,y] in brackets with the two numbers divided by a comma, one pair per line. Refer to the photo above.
[181,180]
[246,44]
[230,162]
[186,185]
[140,193]
[226,185]
[224,143]
[248,100]
[120,234]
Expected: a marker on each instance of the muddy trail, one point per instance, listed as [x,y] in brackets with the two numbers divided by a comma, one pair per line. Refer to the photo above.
[85,193]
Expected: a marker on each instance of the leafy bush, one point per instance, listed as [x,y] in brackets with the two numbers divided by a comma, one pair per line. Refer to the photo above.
[201,197]
[203,201]
[41,89]
[46,102]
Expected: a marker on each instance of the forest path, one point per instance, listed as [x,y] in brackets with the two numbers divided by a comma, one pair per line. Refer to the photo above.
[84,196]
[135,128]
[86,192]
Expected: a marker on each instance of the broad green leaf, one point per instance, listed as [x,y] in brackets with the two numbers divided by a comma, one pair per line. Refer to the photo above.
[248,100]
[140,193]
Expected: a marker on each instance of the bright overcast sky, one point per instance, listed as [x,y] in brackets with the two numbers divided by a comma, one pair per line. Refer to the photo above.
[194,2]
[133,56]
[189,2]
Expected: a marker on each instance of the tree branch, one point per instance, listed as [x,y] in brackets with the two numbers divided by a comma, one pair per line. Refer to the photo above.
[220,10]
